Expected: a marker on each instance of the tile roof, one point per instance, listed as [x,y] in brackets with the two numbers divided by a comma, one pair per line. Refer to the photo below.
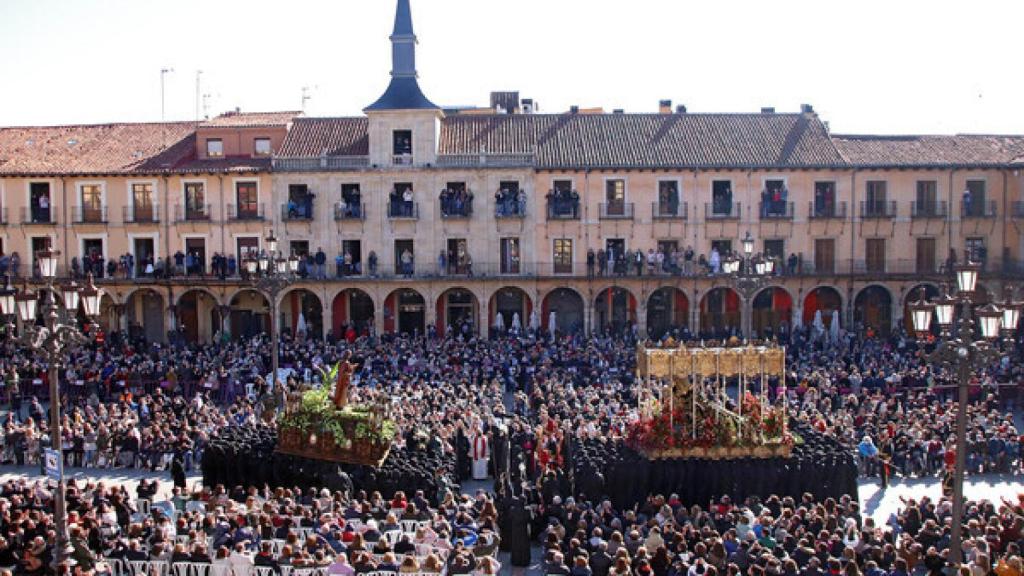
[926,151]
[95,149]
[314,137]
[250,119]
[159,148]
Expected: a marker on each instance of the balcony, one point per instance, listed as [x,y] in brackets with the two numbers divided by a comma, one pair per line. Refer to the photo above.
[878,210]
[617,211]
[1018,209]
[402,210]
[300,212]
[141,214]
[402,160]
[480,160]
[775,210]
[511,210]
[344,212]
[323,163]
[452,209]
[87,215]
[722,211]
[826,210]
[193,213]
[670,211]
[975,209]
[244,213]
[928,210]
[563,209]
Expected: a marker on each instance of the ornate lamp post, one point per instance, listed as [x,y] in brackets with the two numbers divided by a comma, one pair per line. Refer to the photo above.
[960,351]
[748,274]
[59,330]
[275,275]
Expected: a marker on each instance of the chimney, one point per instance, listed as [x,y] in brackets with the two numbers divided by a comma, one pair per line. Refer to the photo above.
[767,110]
[574,109]
[507,101]
[618,111]
[806,109]
[681,109]
[664,107]
[528,106]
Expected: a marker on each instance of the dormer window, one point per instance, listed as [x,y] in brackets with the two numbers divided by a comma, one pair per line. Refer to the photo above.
[402,142]
[262,147]
[214,147]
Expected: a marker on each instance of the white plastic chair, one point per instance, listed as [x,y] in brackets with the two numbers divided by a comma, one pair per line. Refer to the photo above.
[144,506]
[392,536]
[263,571]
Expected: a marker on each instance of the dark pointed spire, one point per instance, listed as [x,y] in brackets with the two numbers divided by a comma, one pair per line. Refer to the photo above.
[404,91]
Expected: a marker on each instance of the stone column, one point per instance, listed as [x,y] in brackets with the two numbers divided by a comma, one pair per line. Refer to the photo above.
[225,318]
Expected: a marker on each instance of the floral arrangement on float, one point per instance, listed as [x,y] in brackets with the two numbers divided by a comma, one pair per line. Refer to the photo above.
[762,433]
[318,426]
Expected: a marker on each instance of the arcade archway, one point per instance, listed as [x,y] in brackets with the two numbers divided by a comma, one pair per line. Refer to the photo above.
[144,310]
[824,299]
[668,309]
[351,307]
[250,314]
[511,303]
[458,311]
[198,317]
[720,313]
[872,309]
[772,308]
[614,310]
[405,312]
[562,311]
[302,312]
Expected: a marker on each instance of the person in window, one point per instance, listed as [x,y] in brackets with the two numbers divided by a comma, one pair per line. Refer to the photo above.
[967,203]
[407,202]
[43,203]
[407,263]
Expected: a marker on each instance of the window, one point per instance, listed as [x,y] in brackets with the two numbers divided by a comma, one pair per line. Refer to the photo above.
[457,257]
[563,201]
[874,253]
[248,200]
[876,199]
[214,147]
[92,203]
[774,198]
[195,201]
[723,247]
[261,147]
[401,204]
[351,201]
[142,202]
[721,198]
[402,142]
[40,201]
[196,248]
[456,200]
[404,257]
[615,196]
[508,200]
[824,255]
[510,256]
[300,203]
[976,250]
[927,198]
[247,246]
[974,198]
[925,255]
[299,248]
[351,258]
[775,249]
[562,256]
[668,198]
[824,199]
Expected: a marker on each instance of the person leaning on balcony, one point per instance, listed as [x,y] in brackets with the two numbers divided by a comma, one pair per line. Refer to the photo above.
[407,263]
[602,262]
[590,262]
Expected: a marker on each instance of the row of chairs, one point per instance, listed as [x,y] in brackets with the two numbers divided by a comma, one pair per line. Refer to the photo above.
[161,568]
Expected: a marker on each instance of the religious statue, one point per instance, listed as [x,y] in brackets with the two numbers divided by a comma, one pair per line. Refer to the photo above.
[345,369]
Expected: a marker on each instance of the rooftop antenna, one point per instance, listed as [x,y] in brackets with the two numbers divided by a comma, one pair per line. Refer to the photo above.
[199,79]
[206,105]
[305,97]
[163,109]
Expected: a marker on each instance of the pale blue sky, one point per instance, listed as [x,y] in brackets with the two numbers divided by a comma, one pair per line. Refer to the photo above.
[870,66]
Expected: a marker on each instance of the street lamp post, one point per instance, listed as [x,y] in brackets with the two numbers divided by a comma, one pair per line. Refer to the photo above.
[748,275]
[271,276]
[59,330]
[961,352]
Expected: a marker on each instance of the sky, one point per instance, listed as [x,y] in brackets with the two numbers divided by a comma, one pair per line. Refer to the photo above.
[867,67]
